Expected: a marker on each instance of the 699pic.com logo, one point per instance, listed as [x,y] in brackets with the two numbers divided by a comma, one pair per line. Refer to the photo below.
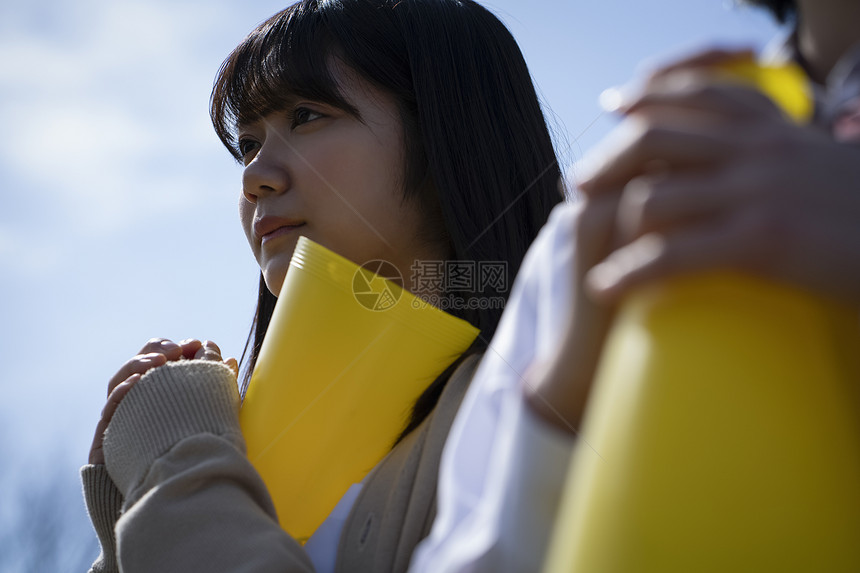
[371,288]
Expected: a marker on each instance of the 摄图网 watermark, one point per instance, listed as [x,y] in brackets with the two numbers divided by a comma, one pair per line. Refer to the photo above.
[447,285]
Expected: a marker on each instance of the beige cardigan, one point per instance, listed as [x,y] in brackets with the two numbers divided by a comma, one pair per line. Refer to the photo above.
[179,494]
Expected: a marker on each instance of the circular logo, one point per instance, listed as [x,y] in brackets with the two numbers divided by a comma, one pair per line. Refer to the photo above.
[371,287]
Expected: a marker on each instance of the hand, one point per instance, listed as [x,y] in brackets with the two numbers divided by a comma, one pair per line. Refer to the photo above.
[715,177]
[155,353]
[557,390]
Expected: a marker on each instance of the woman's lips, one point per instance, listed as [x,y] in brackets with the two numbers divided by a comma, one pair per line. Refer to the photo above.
[280,232]
[271,227]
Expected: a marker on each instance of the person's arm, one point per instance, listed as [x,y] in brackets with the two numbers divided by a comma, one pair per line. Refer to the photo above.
[103,499]
[192,500]
[504,465]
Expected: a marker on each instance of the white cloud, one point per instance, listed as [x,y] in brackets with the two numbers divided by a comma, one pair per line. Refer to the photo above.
[105,116]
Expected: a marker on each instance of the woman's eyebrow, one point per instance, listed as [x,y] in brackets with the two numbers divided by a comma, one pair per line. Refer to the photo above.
[246,125]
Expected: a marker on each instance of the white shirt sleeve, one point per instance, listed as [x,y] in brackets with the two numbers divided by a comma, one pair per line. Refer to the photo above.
[502,469]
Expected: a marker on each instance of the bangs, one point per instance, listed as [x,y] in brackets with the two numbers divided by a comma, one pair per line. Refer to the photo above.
[286,56]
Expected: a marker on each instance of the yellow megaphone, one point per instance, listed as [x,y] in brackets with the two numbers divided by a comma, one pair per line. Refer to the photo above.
[346,355]
[723,433]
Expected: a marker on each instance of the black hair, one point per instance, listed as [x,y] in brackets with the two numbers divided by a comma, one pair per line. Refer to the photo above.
[783,10]
[477,148]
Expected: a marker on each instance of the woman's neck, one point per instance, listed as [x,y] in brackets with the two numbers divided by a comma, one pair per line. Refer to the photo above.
[826,29]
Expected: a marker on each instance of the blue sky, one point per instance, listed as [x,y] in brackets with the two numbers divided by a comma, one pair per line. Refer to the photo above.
[119,214]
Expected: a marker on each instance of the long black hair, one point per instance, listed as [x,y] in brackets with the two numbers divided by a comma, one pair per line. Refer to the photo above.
[477,148]
[782,10]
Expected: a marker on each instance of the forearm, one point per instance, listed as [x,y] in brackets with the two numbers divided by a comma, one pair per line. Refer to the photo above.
[192,500]
[557,387]
[203,507]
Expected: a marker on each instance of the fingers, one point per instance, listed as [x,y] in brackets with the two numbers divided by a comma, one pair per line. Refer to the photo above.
[208,351]
[640,147]
[699,65]
[742,243]
[157,352]
[233,364]
[708,58]
[595,231]
[168,348]
[617,99]
[140,364]
[716,94]
[114,398]
[190,346]
[682,120]
[657,203]
[677,131]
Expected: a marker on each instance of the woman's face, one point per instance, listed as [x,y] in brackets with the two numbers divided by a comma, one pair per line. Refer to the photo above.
[316,170]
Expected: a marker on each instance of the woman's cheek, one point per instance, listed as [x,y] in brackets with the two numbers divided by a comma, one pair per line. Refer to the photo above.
[246,217]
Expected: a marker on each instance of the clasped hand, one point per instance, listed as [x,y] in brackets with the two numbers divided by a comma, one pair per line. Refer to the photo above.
[156,352]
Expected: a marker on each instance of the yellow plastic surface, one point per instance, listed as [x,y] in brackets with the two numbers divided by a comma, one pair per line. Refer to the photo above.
[335,383]
[786,84]
[723,433]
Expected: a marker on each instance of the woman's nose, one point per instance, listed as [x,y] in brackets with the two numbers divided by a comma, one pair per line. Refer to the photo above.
[264,175]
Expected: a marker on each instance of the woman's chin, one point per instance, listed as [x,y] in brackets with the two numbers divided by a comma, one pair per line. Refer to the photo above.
[274,278]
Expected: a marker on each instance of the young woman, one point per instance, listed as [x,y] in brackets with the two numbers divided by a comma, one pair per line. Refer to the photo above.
[400,130]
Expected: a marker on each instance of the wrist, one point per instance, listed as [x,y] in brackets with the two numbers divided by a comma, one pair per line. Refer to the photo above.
[169,404]
[556,396]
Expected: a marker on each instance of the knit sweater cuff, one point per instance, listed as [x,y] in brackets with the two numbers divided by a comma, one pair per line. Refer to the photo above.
[103,501]
[168,404]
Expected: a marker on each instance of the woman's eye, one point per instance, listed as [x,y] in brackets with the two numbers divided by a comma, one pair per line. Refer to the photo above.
[303,115]
[246,146]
